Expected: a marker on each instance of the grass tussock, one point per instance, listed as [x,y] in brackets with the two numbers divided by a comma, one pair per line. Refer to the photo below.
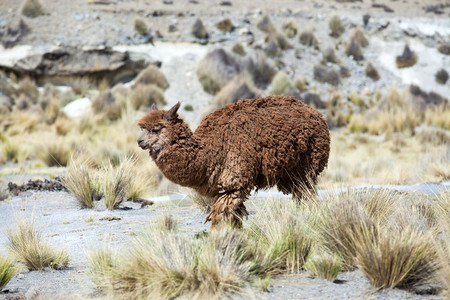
[289,28]
[404,259]
[308,38]
[7,271]
[152,75]
[265,24]
[261,69]
[326,75]
[241,87]
[354,50]
[285,243]
[32,9]
[336,26]
[143,96]
[140,26]
[79,181]
[372,72]
[329,55]
[280,83]
[55,153]
[28,247]
[407,59]
[359,36]
[325,266]
[441,76]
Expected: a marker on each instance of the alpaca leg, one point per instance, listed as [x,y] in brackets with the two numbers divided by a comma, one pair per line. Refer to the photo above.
[228,208]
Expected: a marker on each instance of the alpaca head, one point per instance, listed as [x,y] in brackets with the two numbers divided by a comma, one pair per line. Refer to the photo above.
[156,129]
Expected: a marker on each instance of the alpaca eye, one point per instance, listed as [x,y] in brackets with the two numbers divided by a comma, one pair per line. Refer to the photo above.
[156,129]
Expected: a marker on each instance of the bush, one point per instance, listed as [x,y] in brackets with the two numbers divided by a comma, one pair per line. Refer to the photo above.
[28,87]
[330,56]
[407,59]
[444,48]
[404,259]
[55,153]
[238,49]
[266,25]
[371,72]
[279,83]
[323,74]
[261,69]
[242,87]
[301,84]
[289,28]
[29,248]
[198,30]
[216,69]
[140,26]
[325,266]
[107,104]
[188,107]
[272,48]
[308,38]
[79,181]
[152,75]
[358,35]
[225,25]
[32,9]
[441,76]
[7,271]
[336,26]
[143,96]
[353,49]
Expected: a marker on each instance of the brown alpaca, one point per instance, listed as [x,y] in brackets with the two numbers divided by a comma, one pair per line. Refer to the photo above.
[249,144]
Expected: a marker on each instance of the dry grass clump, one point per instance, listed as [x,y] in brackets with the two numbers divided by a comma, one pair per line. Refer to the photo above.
[238,48]
[199,30]
[241,87]
[353,49]
[371,72]
[284,243]
[55,153]
[11,152]
[359,36]
[438,116]
[168,223]
[403,259]
[143,96]
[202,202]
[32,9]
[28,247]
[266,25]
[271,48]
[261,69]
[7,271]
[28,87]
[225,25]
[152,75]
[308,38]
[301,84]
[216,69]
[140,26]
[80,86]
[327,75]
[444,48]
[108,105]
[441,76]
[407,59]
[289,28]
[336,26]
[280,83]
[325,266]
[79,181]
[432,135]
[330,56]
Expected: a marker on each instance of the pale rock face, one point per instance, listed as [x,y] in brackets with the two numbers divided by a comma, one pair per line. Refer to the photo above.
[78,107]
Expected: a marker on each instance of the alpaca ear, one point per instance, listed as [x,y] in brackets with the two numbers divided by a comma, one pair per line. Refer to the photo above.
[172,113]
[153,108]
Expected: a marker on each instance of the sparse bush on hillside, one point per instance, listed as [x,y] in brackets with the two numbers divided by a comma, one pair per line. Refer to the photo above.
[441,76]
[371,72]
[199,30]
[328,75]
[271,48]
[330,56]
[279,84]
[7,271]
[358,35]
[28,247]
[336,26]
[261,69]
[266,25]
[238,48]
[225,25]
[444,48]
[353,49]
[108,105]
[216,69]
[289,28]
[152,75]
[143,96]
[140,26]
[308,38]
[28,87]
[80,86]
[55,153]
[407,59]
[301,84]
[32,9]
[242,87]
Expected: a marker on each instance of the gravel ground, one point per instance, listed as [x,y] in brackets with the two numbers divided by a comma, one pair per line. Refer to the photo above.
[58,216]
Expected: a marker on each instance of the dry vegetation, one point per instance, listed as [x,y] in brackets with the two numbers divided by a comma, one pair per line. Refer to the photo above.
[7,271]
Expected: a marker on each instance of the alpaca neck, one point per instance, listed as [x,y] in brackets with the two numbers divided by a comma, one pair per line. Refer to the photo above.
[180,161]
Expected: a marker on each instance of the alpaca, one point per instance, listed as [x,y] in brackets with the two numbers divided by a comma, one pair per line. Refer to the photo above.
[259,143]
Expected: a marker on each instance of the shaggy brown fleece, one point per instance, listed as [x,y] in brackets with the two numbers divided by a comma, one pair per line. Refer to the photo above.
[256,143]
